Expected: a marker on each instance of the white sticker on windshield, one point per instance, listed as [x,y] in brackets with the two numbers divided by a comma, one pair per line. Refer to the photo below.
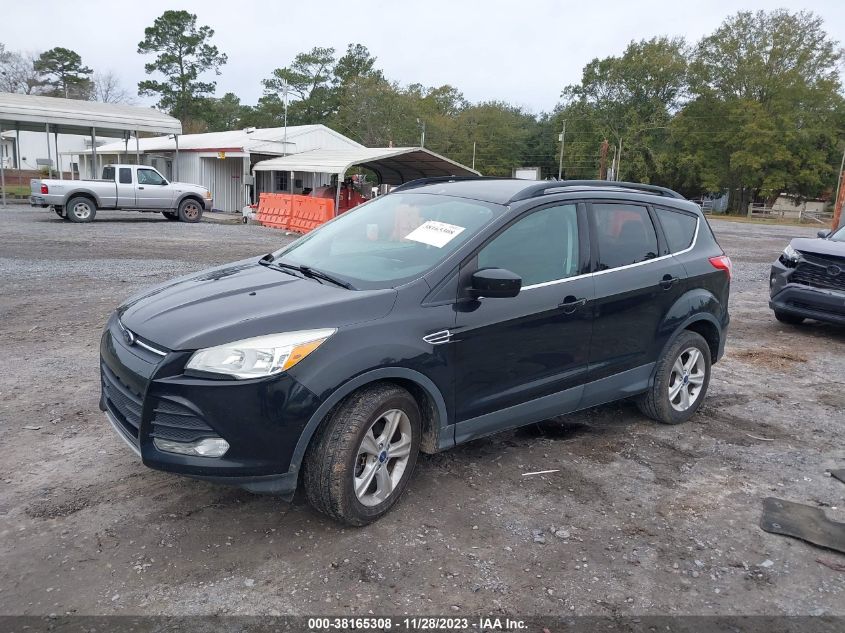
[435,233]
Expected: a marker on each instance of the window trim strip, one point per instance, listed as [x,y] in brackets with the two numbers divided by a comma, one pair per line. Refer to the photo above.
[611,270]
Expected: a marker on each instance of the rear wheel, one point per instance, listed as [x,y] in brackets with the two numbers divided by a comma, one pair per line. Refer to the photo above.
[80,209]
[680,382]
[360,462]
[190,210]
[789,319]
[171,215]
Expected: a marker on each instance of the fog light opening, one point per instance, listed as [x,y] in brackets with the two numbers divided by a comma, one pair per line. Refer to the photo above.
[208,447]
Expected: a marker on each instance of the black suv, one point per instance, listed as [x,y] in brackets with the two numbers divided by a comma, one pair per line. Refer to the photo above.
[443,312]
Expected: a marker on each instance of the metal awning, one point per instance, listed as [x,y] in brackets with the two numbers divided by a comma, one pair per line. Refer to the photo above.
[393,165]
[29,113]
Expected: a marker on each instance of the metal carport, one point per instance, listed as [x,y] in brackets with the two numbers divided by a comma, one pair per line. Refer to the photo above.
[392,165]
[71,116]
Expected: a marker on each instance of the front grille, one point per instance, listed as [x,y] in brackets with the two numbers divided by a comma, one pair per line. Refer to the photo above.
[816,275]
[173,421]
[123,403]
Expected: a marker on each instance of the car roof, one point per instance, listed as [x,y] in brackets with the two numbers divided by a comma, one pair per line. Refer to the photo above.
[510,190]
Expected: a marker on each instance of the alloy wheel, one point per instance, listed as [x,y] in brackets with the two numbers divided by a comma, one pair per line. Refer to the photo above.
[382,457]
[686,379]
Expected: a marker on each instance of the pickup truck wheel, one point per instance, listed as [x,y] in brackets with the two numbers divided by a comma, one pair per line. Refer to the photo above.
[171,215]
[362,457]
[80,210]
[680,382]
[190,211]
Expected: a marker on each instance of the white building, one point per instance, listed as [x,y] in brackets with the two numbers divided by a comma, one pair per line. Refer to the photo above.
[223,161]
[28,150]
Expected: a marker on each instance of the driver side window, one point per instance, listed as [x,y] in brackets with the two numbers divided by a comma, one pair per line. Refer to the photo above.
[540,247]
[149,177]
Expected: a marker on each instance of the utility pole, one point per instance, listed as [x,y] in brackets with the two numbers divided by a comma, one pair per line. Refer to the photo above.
[285,145]
[839,199]
[562,140]
[422,134]
[473,154]
[603,160]
[618,160]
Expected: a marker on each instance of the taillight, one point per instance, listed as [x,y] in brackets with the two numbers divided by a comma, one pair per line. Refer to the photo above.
[44,189]
[722,262]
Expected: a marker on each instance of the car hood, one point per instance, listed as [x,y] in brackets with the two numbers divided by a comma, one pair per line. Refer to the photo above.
[242,300]
[818,246]
[188,186]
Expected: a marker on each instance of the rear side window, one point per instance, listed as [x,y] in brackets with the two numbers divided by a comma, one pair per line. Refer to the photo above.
[108,173]
[540,247]
[679,228]
[125,176]
[625,235]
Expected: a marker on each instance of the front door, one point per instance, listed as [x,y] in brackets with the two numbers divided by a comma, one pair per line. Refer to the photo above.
[151,191]
[524,358]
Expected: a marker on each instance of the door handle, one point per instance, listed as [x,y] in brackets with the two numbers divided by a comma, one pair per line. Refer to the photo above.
[668,281]
[140,187]
[571,304]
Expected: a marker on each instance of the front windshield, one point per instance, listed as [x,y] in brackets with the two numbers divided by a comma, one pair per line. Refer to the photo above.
[839,236]
[391,240]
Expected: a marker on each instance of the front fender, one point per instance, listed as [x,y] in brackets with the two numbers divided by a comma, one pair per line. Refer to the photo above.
[445,439]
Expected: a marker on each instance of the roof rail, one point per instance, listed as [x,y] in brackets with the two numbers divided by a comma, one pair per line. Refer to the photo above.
[431,180]
[542,188]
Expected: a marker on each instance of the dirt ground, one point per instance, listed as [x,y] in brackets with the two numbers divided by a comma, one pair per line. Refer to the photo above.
[647,519]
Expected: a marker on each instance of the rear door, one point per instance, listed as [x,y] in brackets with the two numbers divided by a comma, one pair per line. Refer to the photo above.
[125,187]
[525,357]
[636,284]
[151,191]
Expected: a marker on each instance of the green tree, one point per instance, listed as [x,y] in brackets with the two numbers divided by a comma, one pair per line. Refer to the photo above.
[221,114]
[630,98]
[61,71]
[766,114]
[309,81]
[356,62]
[183,53]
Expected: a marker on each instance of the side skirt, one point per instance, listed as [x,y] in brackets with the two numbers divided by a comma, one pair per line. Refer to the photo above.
[617,387]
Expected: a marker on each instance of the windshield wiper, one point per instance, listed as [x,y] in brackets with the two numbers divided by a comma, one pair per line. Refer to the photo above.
[307,271]
[319,274]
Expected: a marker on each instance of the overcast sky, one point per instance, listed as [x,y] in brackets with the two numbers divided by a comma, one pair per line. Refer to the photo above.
[520,52]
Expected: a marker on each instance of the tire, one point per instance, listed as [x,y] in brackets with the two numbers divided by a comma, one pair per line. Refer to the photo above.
[171,215]
[789,319]
[190,210]
[80,209]
[659,403]
[337,455]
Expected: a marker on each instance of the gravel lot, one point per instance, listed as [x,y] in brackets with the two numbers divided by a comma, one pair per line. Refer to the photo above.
[640,518]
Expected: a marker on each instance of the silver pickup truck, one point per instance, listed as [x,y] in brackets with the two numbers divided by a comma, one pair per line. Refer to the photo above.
[134,187]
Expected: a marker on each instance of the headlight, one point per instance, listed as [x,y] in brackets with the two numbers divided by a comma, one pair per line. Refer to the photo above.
[790,255]
[208,194]
[259,356]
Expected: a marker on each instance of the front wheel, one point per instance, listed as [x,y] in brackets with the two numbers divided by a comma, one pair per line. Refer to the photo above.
[190,211]
[360,462]
[680,382]
[80,210]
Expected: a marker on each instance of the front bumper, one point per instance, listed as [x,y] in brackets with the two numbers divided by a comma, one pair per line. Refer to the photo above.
[804,301]
[146,395]
[207,204]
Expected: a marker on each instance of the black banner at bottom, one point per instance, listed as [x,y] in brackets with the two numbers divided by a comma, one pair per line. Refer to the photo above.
[421,623]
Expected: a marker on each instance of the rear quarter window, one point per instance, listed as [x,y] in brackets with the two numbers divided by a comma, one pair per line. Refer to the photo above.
[679,228]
